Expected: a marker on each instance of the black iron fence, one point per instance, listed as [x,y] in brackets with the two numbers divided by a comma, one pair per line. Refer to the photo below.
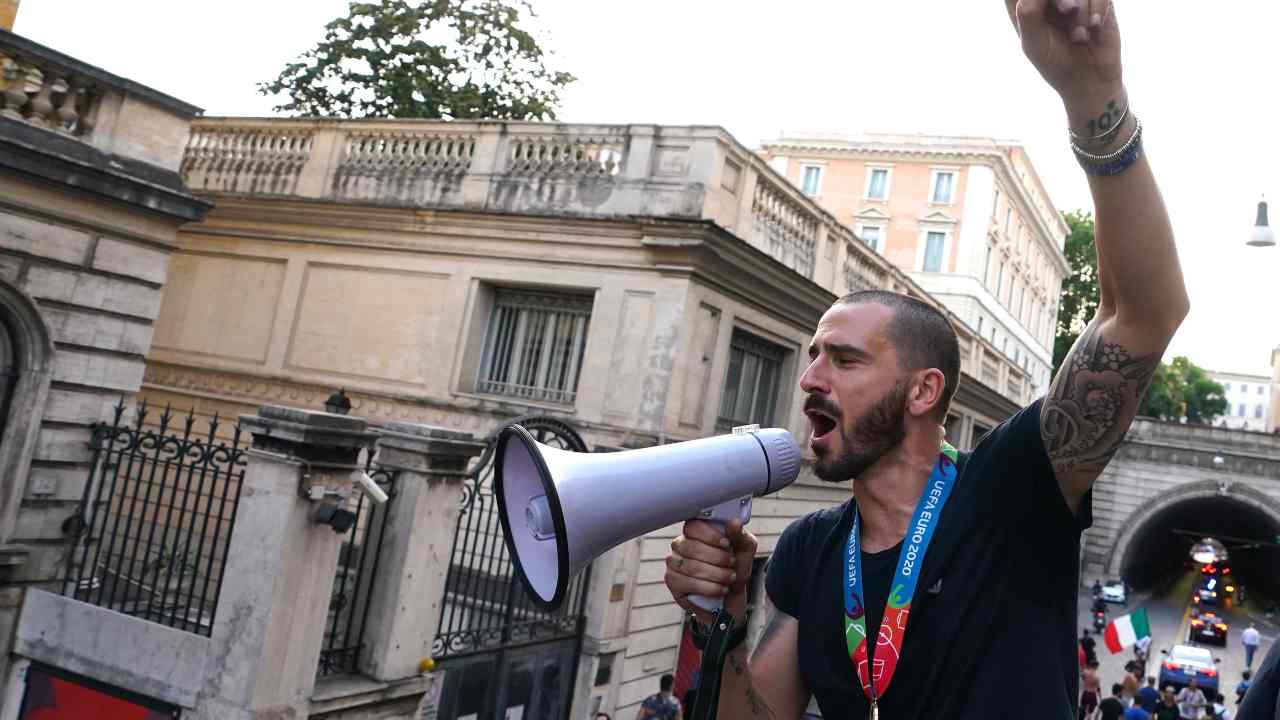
[156,517]
[485,607]
[353,584]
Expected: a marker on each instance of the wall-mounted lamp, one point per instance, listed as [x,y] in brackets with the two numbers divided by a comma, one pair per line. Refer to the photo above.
[338,403]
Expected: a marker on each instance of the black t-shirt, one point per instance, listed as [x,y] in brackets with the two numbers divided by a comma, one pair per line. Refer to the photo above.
[995,606]
[1111,708]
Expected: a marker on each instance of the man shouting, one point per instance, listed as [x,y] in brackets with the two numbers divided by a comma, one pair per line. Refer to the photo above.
[948,579]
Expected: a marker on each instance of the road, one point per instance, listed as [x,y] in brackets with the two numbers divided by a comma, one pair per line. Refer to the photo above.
[1167,615]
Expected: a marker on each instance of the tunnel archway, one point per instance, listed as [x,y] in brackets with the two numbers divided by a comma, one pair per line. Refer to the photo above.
[1148,550]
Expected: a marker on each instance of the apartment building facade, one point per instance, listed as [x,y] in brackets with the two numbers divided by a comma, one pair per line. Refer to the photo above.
[966,218]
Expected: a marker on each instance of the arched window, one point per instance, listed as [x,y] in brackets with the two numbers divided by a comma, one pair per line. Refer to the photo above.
[8,374]
[26,367]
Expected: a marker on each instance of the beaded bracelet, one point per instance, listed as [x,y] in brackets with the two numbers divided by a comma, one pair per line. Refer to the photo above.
[1114,163]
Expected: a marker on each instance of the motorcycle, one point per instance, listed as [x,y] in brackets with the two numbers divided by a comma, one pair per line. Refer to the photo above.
[1099,620]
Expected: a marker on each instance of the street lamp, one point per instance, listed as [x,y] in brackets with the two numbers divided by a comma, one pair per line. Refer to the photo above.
[1263,235]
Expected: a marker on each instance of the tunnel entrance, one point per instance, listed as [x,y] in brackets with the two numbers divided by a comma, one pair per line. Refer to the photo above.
[1158,551]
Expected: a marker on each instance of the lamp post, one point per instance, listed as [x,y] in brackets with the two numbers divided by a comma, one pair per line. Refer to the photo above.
[1263,235]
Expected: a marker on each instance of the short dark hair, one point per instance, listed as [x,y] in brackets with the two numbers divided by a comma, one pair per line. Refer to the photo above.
[1117,688]
[922,336]
[666,682]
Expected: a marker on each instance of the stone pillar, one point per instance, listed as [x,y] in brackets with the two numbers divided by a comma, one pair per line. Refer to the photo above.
[408,591]
[280,565]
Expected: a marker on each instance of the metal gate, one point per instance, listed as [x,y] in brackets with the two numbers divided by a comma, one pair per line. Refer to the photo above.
[500,652]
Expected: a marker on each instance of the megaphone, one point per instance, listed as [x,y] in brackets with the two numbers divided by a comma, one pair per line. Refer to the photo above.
[560,509]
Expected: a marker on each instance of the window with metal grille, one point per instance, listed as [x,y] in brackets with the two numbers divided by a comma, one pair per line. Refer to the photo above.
[533,346]
[751,387]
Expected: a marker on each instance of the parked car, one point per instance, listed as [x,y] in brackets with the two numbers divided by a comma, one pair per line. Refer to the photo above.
[1115,591]
[1208,627]
[1184,662]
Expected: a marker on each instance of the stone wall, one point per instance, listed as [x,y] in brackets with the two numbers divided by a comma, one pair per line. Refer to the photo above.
[90,204]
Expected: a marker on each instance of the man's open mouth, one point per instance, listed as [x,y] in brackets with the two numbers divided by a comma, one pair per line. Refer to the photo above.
[821,422]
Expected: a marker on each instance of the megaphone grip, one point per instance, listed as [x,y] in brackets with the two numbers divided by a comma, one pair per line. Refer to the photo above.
[719,516]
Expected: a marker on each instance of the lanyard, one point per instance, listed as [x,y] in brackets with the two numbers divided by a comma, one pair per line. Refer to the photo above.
[893,626]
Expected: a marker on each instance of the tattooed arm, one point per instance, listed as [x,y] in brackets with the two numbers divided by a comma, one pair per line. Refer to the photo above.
[1075,45]
[769,687]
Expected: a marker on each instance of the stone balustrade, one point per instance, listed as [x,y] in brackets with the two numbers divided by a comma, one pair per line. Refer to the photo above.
[44,92]
[696,173]
[44,88]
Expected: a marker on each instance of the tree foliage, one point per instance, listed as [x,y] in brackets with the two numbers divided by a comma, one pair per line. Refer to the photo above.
[438,59]
[1182,391]
[1080,288]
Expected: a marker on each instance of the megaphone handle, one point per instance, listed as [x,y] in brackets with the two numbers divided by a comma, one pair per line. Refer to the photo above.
[719,516]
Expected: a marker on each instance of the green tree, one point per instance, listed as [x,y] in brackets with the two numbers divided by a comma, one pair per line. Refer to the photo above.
[437,59]
[1182,391]
[1079,289]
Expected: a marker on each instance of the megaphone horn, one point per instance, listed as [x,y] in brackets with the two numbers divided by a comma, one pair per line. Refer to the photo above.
[560,509]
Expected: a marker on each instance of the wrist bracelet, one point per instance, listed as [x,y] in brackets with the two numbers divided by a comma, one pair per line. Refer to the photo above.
[1103,138]
[1113,163]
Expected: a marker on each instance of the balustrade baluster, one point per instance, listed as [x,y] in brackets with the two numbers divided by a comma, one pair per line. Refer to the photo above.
[15,92]
[68,114]
[42,104]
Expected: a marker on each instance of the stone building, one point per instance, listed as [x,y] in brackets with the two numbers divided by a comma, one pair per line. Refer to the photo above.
[626,285]
[90,204]
[965,218]
[1248,401]
[644,284]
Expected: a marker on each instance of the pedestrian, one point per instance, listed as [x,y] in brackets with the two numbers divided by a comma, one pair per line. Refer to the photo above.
[1130,683]
[1149,696]
[1088,644]
[1250,638]
[1218,710]
[876,382]
[1136,712]
[1243,686]
[662,705]
[1141,651]
[1168,707]
[1089,698]
[1191,701]
[1262,701]
[1113,707]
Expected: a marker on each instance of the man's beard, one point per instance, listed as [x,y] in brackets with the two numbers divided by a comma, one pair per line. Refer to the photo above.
[880,429]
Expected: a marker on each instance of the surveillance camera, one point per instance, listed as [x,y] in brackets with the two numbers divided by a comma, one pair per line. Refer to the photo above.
[335,516]
[369,487]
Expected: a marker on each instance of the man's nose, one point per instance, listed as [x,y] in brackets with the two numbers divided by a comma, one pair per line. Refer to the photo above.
[814,380]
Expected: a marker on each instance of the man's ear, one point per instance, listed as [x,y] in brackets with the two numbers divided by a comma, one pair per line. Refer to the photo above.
[926,392]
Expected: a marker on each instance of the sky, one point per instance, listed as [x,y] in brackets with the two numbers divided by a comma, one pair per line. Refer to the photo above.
[1202,76]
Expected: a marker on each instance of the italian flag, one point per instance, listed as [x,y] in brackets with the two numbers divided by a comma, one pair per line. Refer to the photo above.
[1126,630]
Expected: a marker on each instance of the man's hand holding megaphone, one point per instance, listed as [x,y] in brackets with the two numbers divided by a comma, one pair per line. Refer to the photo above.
[703,561]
